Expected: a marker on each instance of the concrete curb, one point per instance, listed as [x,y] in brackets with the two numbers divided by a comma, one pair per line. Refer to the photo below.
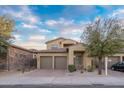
[61,86]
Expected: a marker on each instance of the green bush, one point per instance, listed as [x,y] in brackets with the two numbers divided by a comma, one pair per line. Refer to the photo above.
[71,68]
[89,69]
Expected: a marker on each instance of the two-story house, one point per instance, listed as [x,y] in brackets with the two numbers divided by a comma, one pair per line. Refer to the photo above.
[60,53]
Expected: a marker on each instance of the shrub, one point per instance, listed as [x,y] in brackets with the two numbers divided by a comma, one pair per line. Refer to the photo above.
[71,68]
[89,69]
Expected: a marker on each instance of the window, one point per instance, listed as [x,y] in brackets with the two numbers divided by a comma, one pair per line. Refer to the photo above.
[60,42]
[54,46]
[67,45]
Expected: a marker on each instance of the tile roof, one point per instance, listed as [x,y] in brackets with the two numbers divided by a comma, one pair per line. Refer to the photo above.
[55,39]
[60,50]
[21,48]
[61,38]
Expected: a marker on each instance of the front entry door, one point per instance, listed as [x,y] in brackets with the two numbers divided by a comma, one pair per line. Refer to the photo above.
[77,62]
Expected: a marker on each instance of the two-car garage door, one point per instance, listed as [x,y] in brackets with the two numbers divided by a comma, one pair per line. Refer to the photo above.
[60,62]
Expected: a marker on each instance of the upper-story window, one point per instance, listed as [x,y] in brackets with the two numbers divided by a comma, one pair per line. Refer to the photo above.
[55,46]
[67,45]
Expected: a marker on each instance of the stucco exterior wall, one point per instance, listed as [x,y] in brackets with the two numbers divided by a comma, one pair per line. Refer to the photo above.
[87,61]
[79,48]
[56,42]
[68,41]
[121,55]
[60,43]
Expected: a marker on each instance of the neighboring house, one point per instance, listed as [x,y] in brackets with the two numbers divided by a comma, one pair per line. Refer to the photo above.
[18,57]
[118,57]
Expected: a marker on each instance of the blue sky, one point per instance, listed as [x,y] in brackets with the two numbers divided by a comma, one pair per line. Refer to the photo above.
[37,24]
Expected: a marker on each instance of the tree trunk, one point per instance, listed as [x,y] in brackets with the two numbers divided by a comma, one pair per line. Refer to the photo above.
[100,66]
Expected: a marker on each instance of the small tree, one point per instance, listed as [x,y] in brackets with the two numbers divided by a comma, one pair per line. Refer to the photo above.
[103,37]
[6,28]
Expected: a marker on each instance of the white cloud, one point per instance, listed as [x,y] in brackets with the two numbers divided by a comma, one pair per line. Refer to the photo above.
[72,31]
[30,26]
[33,42]
[117,13]
[24,14]
[32,45]
[17,37]
[60,22]
[37,38]
[32,19]
[68,28]
[76,38]
[27,15]
[51,22]
[55,37]
[44,31]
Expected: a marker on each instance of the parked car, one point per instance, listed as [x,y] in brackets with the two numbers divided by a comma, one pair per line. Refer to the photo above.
[119,66]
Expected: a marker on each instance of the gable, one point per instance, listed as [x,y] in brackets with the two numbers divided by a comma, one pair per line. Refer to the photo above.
[79,47]
[55,40]
[69,41]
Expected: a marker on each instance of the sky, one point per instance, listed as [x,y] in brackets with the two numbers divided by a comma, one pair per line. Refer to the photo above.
[39,23]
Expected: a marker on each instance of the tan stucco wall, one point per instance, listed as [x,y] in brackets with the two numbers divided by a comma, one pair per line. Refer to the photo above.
[78,47]
[60,43]
[118,54]
[87,61]
[121,55]
[81,48]
[68,42]
[56,42]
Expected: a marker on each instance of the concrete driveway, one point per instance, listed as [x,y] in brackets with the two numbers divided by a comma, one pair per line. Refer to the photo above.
[46,73]
[62,77]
